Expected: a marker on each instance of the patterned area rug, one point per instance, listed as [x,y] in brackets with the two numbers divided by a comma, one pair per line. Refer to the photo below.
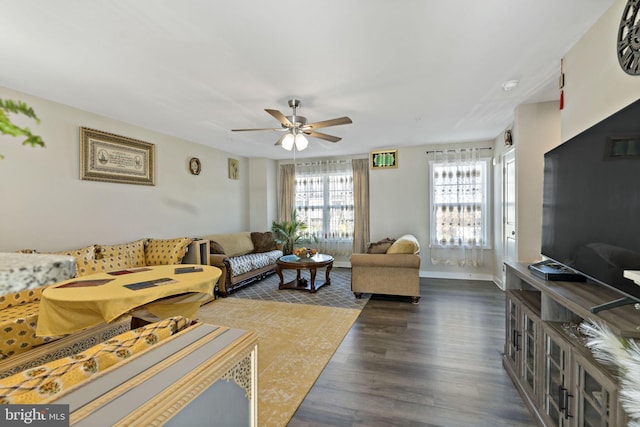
[295,342]
[338,294]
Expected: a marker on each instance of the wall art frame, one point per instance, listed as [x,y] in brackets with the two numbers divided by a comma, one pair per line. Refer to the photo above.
[383,159]
[108,157]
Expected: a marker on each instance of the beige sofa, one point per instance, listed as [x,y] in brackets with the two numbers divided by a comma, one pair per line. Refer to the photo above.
[390,267]
[244,257]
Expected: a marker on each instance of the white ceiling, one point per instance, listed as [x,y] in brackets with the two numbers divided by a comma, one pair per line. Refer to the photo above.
[410,72]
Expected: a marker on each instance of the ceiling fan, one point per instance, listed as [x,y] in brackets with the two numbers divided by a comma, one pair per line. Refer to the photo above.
[296,127]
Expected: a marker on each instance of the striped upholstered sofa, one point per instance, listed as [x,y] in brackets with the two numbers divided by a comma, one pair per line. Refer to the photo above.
[243,257]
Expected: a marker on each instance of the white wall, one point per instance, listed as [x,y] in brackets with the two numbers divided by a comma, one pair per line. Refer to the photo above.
[595,88]
[45,205]
[536,131]
[595,85]
[399,197]
[399,204]
[263,196]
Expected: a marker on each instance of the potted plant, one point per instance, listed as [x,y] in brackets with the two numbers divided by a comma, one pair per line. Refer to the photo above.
[289,233]
[9,128]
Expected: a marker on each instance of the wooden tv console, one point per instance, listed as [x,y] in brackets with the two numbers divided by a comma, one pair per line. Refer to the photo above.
[545,355]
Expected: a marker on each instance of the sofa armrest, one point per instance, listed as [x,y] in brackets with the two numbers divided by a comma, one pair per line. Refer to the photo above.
[222,262]
[384,260]
[218,260]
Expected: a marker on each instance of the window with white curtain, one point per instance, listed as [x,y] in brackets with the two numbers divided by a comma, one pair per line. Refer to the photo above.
[324,200]
[460,208]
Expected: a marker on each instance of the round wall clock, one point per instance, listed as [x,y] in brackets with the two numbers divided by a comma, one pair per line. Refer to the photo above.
[629,39]
[194,166]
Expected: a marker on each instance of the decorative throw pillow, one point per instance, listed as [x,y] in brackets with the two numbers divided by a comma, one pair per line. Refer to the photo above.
[263,242]
[406,244]
[380,247]
[166,251]
[92,266]
[79,254]
[215,248]
[88,252]
[134,249]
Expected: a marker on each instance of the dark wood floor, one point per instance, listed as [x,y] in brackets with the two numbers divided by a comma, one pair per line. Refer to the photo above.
[433,364]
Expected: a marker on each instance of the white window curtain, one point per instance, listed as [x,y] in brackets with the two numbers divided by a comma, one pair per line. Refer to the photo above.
[324,200]
[459,229]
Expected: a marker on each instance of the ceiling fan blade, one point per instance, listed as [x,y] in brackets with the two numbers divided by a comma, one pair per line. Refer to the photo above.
[280,117]
[322,136]
[245,130]
[327,123]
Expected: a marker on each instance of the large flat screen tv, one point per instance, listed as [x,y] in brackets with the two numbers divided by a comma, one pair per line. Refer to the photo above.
[591,202]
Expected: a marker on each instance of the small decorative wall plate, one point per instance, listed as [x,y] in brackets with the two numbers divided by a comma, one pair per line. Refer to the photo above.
[194,166]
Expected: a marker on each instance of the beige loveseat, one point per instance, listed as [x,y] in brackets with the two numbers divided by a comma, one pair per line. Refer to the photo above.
[390,267]
[243,257]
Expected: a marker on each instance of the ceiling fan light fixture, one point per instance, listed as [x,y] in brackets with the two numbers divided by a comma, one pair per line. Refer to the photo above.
[287,141]
[298,129]
[301,142]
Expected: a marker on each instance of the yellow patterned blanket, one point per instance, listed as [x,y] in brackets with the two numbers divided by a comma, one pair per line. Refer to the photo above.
[50,381]
[18,319]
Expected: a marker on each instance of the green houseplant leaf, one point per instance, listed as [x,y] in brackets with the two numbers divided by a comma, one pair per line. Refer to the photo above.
[289,233]
[8,106]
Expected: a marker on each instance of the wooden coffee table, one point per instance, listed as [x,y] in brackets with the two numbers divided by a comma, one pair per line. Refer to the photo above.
[293,262]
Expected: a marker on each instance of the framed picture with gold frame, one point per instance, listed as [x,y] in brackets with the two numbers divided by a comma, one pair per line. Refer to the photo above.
[234,169]
[383,159]
[113,158]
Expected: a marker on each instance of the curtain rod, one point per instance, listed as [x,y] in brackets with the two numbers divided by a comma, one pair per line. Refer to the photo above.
[460,149]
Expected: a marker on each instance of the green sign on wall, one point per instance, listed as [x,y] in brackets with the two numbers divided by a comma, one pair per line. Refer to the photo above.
[384,159]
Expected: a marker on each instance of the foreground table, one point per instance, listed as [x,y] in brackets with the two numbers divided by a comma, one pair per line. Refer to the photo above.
[214,383]
[87,301]
[293,262]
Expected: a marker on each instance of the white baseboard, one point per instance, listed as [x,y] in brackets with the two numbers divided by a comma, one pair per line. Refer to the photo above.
[454,275]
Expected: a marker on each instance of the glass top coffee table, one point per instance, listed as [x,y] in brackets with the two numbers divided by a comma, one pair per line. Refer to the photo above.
[293,262]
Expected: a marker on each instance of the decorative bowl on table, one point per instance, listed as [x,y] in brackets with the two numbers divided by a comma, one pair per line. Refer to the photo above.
[304,252]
